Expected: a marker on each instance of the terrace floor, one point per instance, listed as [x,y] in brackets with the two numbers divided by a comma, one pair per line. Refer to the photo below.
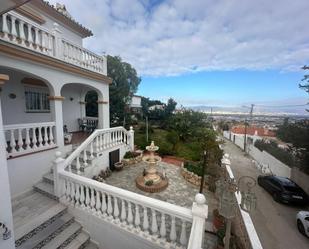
[179,191]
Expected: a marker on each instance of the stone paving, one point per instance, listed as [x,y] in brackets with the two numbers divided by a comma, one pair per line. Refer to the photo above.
[178,192]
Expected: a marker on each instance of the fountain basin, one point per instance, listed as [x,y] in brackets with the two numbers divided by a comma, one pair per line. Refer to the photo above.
[161,184]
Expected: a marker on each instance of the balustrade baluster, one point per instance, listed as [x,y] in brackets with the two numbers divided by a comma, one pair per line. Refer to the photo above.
[101,142]
[69,167]
[5,27]
[78,165]
[44,41]
[163,226]
[20,140]
[77,196]
[30,40]
[98,203]
[91,151]
[173,235]
[22,35]
[87,201]
[92,201]
[109,205]
[130,215]
[104,206]
[34,140]
[116,209]
[85,158]
[145,220]
[27,140]
[36,38]
[183,235]
[40,139]
[68,192]
[123,211]
[97,144]
[45,137]
[51,136]
[137,220]
[154,224]
[72,193]
[13,30]
[63,190]
[82,197]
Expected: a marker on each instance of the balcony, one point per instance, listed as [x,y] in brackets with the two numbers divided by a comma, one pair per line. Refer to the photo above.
[20,31]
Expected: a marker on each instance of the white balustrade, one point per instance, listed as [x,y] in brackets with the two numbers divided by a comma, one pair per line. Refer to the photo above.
[82,57]
[27,138]
[95,144]
[128,210]
[21,31]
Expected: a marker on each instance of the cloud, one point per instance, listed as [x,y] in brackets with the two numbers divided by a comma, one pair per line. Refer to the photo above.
[173,37]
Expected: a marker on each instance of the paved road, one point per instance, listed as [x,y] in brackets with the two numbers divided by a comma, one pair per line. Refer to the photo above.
[274,222]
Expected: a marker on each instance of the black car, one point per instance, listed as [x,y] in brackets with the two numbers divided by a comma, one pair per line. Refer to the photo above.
[283,189]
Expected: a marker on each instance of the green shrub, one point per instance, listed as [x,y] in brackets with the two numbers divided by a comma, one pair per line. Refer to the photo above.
[165,149]
[129,155]
[272,148]
[149,183]
[195,167]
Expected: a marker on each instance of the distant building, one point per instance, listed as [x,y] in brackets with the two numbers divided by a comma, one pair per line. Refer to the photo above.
[136,102]
[253,131]
[156,107]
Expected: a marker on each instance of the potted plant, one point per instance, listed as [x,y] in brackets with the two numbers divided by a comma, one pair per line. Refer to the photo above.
[118,166]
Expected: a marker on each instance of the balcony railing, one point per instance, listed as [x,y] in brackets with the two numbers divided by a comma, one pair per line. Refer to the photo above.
[28,138]
[21,31]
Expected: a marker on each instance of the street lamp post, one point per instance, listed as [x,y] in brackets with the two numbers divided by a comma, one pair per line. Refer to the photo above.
[203,171]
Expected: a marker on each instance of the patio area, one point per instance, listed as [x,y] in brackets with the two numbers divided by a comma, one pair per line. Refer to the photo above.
[178,192]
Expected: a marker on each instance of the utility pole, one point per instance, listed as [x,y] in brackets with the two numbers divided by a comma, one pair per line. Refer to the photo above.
[203,172]
[246,126]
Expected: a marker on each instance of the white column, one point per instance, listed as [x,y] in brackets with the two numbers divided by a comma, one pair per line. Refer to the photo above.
[56,105]
[58,41]
[103,114]
[5,197]
[200,213]
[57,164]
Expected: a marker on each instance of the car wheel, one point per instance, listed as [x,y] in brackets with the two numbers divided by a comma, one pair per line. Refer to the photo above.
[276,197]
[300,227]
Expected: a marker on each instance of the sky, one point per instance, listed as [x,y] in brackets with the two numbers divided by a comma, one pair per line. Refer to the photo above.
[205,52]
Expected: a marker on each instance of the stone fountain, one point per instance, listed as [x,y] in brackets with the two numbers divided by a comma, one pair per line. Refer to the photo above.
[151,180]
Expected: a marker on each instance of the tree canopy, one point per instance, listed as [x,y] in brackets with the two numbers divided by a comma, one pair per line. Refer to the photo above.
[124,85]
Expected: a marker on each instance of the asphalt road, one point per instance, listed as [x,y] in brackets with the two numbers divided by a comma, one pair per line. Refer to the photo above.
[274,222]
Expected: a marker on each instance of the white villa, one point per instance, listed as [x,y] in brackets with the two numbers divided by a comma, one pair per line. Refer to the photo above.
[48,199]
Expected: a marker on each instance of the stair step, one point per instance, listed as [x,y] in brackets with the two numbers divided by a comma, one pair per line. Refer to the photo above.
[79,241]
[48,233]
[46,189]
[65,237]
[91,246]
[49,178]
[39,221]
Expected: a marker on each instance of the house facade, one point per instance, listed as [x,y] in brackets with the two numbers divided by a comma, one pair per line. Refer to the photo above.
[45,75]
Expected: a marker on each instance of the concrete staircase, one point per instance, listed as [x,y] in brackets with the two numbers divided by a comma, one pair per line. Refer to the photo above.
[40,221]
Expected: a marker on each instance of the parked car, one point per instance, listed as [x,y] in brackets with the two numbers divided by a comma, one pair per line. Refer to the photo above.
[302,219]
[283,189]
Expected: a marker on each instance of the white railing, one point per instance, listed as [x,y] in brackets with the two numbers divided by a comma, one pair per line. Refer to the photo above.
[27,138]
[158,220]
[82,57]
[26,33]
[96,143]
[21,31]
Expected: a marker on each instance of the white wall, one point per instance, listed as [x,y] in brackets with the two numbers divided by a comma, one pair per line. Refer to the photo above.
[72,109]
[13,110]
[108,235]
[26,171]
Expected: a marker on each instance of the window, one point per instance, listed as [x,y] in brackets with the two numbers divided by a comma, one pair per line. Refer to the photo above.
[37,99]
